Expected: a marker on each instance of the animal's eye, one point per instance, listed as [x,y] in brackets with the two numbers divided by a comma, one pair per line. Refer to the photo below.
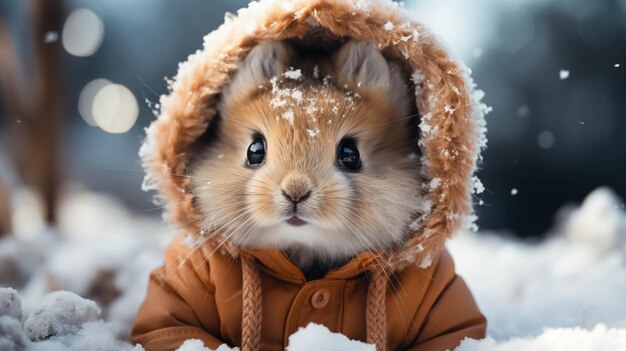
[256,151]
[348,157]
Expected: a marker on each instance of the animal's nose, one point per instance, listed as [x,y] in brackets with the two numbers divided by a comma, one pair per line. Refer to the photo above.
[296,187]
[297,197]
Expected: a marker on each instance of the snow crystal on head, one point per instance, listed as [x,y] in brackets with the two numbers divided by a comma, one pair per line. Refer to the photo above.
[293,74]
[286,98]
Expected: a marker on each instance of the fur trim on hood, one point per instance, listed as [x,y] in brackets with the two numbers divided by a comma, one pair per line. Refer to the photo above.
[452,128]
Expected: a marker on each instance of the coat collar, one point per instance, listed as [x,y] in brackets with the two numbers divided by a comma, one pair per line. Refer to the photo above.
[276,263]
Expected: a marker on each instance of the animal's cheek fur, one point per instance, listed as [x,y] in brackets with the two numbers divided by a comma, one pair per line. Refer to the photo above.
[220,199]
[385,207]
[335,198]
[260,194]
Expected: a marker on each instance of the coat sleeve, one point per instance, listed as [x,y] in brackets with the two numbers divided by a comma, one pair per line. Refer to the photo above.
[449,313]
[178,293]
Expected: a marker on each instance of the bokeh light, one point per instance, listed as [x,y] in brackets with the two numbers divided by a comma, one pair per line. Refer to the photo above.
[115,108]
[86,98]
[546,139]
[82,33]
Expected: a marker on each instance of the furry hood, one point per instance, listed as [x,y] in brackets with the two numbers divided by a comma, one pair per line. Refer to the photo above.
[452,126]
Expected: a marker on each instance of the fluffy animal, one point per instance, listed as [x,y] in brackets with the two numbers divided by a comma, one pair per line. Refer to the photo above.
[312,156]
[315,155]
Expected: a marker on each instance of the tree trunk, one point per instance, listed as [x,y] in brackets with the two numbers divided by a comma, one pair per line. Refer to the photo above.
[34,105]
[5,213]
[47,115]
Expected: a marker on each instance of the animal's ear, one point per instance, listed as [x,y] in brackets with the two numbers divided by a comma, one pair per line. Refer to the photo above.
[362,64]
[264,62]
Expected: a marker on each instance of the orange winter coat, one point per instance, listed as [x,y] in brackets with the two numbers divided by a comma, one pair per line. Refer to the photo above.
[192,297]
[256,299]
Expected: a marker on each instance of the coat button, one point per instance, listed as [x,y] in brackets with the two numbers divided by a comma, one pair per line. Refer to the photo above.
[320,298]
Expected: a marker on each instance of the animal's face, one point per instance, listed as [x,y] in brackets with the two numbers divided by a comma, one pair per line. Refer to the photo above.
[303,165]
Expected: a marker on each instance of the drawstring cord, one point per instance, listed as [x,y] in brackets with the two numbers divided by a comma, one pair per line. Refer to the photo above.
[252,306]
[376,311]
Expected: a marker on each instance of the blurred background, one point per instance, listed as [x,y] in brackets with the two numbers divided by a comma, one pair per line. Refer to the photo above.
[78,79]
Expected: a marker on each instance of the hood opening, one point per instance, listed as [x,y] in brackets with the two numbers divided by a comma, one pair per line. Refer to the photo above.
[451,126]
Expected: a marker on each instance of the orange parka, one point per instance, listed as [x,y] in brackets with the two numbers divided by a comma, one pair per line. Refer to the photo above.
[191,297]
[409,298]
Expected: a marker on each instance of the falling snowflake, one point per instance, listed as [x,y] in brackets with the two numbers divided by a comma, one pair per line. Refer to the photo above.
[51,37]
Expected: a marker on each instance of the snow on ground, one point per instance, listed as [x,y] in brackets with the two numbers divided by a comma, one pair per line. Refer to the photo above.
[575,280]
[316,337]
[563,293]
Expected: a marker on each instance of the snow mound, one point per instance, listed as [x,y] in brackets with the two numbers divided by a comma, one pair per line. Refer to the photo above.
[198,345]
[63,321]
[315,337]
[12,337]
[574,279]
[10,303]
[599,338]
[60,313]
[599,223]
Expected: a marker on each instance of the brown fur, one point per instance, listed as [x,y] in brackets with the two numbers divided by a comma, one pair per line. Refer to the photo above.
[347,212]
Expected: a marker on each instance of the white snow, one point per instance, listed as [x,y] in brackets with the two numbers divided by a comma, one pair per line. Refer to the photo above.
[514,191]
[315,337]
[434,183]
[312,133]
[600,338]
[10,303]
[62,322]
[477,186]
[198,345]
[389,26]
[294,74]
[617,65]
[574,280]
[12,336]
[563,74]
[448,109]
[288,115]
[193,345]
[60,313]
